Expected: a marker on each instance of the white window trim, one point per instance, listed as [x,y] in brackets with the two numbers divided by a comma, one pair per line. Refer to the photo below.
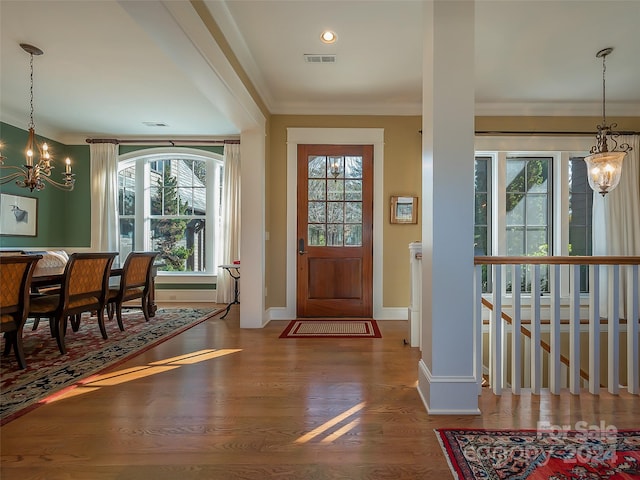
[561,149]
[143,208]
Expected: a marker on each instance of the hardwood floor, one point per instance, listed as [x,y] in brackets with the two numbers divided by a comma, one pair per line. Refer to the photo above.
[261,407]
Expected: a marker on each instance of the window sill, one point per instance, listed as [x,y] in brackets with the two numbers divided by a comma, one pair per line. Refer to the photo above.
[185,277]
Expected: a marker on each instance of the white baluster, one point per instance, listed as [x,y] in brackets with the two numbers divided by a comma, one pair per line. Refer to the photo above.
[574,329]
[554,326]
[516,295]
[613,324]
[536,349]
[594,329]
[495,333]
[633,312]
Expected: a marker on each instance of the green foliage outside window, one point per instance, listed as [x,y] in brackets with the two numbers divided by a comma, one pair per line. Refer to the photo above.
[168,233]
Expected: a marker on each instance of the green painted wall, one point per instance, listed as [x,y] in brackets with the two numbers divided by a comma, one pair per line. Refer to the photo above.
[78,202]
[63,217]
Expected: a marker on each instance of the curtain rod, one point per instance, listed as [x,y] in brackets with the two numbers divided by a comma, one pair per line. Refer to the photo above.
[547,133]
[551,133]
[157,141]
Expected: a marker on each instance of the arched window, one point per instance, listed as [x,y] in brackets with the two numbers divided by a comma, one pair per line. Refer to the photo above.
[169,202]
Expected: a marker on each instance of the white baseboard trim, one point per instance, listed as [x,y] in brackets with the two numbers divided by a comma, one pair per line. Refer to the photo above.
[279,313]
[391,313]
[179,296]
[447,395]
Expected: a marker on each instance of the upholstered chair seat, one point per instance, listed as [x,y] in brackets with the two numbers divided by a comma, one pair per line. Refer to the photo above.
[16,272]
[84,289]
[43,305]
[135,282]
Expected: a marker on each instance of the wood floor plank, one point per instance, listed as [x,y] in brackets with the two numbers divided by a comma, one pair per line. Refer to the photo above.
[265,408]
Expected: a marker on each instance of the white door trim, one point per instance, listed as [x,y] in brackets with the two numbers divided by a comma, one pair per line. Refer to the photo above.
[334,136]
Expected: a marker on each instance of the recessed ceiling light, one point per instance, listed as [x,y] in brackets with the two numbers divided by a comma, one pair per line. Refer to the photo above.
[155,124]
[328,37]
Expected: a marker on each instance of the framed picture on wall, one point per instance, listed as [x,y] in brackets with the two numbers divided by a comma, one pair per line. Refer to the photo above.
[18,216]
[404,209]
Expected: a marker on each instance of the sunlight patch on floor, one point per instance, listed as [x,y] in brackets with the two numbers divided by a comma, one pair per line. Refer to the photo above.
[331,423]
[96,382]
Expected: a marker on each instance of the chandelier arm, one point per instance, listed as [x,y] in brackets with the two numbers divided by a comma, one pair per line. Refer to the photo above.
[36,173]
[68,184]
[11,176]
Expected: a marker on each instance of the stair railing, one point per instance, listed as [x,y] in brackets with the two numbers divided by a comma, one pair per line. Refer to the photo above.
[559,267]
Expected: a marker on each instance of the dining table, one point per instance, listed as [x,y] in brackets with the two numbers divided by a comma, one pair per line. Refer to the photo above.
[51,276]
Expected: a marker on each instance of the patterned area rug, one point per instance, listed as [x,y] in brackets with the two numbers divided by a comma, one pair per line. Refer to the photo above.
[591,452]
[326,328]
[48,372]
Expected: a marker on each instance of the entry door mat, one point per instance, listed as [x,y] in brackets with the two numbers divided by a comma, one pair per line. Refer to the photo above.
[590,453]
[332,328]
[50,373]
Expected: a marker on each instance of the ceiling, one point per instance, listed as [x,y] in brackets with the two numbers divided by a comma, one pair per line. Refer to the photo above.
[118,68]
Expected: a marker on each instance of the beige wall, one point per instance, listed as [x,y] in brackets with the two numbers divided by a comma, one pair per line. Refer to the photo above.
[402,155]
[402,175]
[553,124]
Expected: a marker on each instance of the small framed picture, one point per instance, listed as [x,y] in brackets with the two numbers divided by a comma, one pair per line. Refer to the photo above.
[404,209]
[18,216]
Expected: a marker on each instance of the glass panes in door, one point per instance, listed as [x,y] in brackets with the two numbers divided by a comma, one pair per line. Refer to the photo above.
[334,213]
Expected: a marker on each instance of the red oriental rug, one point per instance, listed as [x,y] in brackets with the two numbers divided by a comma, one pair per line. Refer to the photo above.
[557,454]
[49,373]
[332,328]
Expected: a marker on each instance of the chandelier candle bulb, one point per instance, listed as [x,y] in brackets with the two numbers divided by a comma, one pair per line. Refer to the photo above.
[604,162]
[35,176]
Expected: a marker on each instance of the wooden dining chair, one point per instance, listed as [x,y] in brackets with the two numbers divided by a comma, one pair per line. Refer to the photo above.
[84,288]
[15,279]
[135,282]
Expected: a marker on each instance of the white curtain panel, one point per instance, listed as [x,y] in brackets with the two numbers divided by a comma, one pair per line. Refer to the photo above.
[616,220]
[104,197]
[229,235]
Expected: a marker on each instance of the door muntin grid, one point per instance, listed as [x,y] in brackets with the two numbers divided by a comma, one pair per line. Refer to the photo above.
[334,211]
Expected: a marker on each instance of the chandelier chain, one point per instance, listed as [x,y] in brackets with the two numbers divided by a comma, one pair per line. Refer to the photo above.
[36,172]
[31,124]
[604,69]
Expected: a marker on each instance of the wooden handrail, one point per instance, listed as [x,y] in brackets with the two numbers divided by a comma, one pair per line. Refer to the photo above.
[545,346]
[559,260]
[554,260]
[549,260]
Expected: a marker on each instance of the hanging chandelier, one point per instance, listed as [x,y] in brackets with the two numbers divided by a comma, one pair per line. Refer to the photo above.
[604,164]
[36,173]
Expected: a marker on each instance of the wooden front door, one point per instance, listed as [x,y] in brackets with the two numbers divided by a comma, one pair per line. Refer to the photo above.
[335,231]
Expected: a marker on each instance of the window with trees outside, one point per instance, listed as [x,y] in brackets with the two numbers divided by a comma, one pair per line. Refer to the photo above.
[529,210]
[169,202]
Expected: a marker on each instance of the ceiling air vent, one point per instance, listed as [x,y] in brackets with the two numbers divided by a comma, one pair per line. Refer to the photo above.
[317,58]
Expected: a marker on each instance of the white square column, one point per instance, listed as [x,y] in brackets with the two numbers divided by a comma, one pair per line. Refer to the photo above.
[252,227]
[446,375]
